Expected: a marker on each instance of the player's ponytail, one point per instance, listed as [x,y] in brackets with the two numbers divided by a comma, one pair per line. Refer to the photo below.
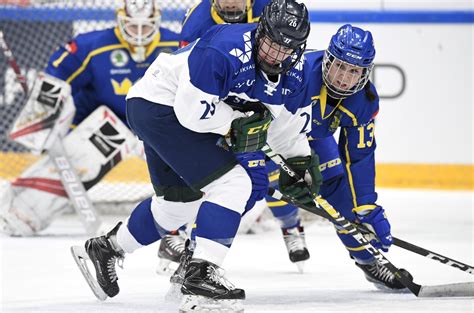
[369,93]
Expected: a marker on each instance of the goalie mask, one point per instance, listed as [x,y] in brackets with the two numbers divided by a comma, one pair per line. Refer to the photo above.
[281,36]
[138,22]
[232,11]
[348,61]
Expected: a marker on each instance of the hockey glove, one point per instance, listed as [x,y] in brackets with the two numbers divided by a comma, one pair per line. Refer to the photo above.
[302,191]
[377,223]
[254,164]
[249,134]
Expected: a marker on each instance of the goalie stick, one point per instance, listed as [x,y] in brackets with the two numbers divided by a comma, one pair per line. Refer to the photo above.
[396,241]
[328,212]
[13,64]
[69,178]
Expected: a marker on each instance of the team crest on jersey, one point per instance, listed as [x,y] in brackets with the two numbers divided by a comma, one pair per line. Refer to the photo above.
[119,58]
[336,121]
[244,56]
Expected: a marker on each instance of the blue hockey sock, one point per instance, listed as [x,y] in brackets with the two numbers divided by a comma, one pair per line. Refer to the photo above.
[216,223]
[286,214]
[142,225]
[356,251]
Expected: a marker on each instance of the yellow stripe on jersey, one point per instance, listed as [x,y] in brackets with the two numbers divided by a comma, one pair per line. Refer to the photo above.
[349,113]
[89,57]
[364,208]
[355,249]
[60,59]
[276,203]
[348,168]
[190,12]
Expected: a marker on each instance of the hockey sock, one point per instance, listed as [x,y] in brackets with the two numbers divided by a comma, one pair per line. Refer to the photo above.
[286,214]
[143,226]
[216,227]
[356,251]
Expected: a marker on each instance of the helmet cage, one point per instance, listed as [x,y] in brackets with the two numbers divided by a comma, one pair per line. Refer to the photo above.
[138,31]
[234,15]
[337,73]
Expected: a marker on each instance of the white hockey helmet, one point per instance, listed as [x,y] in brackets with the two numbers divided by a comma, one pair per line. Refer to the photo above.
[138,21]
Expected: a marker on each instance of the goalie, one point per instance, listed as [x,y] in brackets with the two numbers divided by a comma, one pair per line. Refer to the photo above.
[93,69]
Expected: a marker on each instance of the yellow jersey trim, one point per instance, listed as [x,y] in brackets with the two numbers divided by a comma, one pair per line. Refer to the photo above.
[60,59]
[349,113]
[89,57]
[363,208]
[190,12]
[276,203]
[348,168]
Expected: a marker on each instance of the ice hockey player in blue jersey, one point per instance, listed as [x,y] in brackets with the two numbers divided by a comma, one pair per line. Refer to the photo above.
[204,113]
[208,13]
[338,88]
[102,65]
[197,21]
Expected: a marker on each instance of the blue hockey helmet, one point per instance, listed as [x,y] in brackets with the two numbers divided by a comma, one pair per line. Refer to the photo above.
[281,35]
[348,61]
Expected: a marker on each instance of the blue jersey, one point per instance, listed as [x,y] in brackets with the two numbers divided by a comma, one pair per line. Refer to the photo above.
[202,16]
[355,116]
[199,80]
[99,67]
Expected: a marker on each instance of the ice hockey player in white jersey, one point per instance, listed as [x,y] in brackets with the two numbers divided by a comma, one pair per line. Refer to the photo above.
[204,113]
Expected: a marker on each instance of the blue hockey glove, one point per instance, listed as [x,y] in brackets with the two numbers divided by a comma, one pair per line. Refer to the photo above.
[254,164]
[377,222]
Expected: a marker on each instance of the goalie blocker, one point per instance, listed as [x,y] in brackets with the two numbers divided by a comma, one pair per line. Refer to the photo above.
[30,202]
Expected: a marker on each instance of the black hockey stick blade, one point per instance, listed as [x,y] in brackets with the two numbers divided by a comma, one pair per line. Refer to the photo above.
[80,256]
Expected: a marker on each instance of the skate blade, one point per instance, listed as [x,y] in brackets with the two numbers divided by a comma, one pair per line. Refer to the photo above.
[166,267]
[199,304]
[300,265]
[80,256]
[174,294]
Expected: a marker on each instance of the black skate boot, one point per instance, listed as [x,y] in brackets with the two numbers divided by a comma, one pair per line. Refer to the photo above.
[381,277]
[296,245]
[103,253]
[170,251]
[206,288]
[176,280]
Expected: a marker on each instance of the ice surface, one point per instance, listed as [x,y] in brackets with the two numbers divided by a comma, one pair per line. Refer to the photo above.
[39,275]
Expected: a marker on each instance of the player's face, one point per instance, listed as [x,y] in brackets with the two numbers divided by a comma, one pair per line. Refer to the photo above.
[140,29]
[231,5]
[273,53]
[343,75]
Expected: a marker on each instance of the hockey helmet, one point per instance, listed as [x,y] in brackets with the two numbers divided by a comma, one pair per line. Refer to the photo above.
[232,11]
[138,21]
[348,61]
[281,35]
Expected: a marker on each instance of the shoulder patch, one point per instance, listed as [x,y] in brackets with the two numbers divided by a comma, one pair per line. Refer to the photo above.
[71,47]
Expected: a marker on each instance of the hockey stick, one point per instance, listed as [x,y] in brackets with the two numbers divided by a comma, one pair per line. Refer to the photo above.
[13,64]
[327,211]
[69,178]
[396,241]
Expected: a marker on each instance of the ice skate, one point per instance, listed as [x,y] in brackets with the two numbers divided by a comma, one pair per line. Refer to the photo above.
[381,277]
[205,289]
[170,252]
[296,245]
[103,254]
[176,280]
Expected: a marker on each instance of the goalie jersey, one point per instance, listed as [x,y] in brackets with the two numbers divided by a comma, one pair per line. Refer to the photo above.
[202,16]
[355,116]
[200,92]
[100,69]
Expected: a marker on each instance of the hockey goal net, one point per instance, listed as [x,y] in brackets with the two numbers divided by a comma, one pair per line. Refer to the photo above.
[33,30]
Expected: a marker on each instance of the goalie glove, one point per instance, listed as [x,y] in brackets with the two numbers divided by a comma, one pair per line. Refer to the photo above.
[376,221]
